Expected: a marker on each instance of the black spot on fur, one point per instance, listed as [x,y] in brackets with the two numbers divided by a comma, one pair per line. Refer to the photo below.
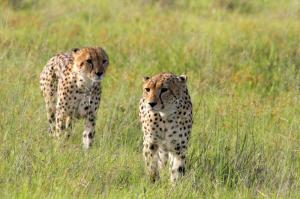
[90,135]
[181,169]
[153,147]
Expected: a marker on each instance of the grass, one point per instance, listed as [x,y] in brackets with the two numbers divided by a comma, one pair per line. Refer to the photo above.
[242,60]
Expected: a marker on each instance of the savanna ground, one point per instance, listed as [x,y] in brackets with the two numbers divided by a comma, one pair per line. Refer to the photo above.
[242,59]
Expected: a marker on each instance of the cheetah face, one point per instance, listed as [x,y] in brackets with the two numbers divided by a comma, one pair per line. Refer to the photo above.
[162,92]
[90,63]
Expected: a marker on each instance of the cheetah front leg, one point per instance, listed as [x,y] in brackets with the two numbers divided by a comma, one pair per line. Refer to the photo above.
[163,156]
[62,114]
[150,152]
[177,166]
[90,107]
[89,131]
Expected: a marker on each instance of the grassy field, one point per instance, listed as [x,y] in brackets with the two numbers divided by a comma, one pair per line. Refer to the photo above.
[242,59]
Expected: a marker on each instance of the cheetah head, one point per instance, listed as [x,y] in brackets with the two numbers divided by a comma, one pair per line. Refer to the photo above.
[162,92]
[90,63]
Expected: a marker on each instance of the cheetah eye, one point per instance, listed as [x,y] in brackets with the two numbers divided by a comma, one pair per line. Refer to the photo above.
[105,61]
[89,61]
[147,89]
[164,90]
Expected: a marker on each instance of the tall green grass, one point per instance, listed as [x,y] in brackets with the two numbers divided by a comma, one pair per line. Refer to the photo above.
[242,60]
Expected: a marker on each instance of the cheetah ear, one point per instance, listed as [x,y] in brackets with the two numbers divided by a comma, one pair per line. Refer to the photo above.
[75,50]
[182,78]
[145,78]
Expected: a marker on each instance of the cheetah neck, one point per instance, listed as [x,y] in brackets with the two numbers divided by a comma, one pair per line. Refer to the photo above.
[84,83]
[162,114]
[166,115]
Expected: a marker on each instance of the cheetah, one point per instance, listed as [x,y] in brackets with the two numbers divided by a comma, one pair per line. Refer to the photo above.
[71,85]
[165,111]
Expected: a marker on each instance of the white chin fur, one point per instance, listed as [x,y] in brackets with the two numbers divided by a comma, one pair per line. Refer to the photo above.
[162,114]
[166,111]
[98,79]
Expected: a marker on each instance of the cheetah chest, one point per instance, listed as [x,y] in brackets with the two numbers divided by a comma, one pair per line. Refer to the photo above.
[176,132]
[168,131]
[83,105]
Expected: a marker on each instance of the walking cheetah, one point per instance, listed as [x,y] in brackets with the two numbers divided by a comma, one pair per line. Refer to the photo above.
[71,86]
[165,111]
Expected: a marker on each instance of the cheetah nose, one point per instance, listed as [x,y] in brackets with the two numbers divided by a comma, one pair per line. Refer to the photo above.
[152,104]
[99,73]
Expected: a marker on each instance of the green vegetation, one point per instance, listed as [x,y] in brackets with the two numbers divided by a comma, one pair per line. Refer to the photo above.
[242,59]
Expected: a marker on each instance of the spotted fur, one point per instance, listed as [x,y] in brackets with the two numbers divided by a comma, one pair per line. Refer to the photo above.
[71,86]
[166,115]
